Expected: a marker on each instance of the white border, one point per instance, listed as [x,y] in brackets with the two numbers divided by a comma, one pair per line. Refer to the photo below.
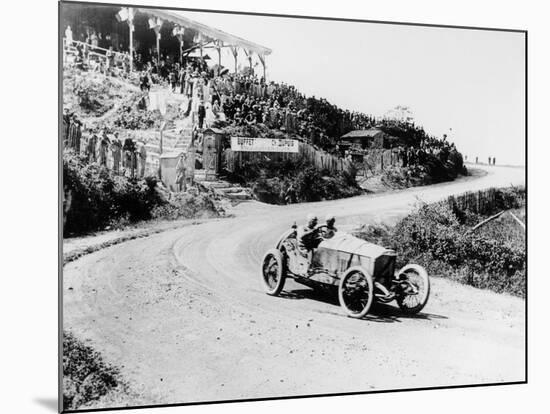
[29,204]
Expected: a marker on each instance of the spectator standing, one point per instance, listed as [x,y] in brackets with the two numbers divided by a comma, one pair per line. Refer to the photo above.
[173,80]
[116,151]
[144,81]
[142,155]
[102,148]
[129,149]
[68,36]
[181,184]
[94,39]
[201,111]
[74,133]
[91,148]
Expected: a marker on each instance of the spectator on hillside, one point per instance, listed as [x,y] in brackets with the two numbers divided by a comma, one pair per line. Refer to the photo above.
[141,157]
[173,80]
[102,148]
[201,112]
[68,36]
[109,62]
[116,152]
[91,147]
[181,184]
[94,39]
[129,163]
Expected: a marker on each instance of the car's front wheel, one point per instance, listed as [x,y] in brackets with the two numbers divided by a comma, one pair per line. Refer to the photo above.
[415,285]
[273,272]
[356,291]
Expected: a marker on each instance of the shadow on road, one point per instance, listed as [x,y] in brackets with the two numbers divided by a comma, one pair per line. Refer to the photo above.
[379,312]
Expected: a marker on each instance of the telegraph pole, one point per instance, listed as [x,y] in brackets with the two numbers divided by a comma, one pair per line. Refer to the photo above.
[131,26]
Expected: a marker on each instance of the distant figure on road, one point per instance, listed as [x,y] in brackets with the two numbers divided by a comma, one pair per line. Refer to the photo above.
[476,159]
[494,160]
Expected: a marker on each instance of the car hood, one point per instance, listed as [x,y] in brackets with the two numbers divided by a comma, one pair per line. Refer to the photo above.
[345,242]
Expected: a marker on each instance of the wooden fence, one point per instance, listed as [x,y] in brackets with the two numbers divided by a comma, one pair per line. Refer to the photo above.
[486,202]
[377,160]
[233,160]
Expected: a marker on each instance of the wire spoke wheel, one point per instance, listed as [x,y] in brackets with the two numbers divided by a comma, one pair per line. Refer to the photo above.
[415,289]
[273,273]
[356,292]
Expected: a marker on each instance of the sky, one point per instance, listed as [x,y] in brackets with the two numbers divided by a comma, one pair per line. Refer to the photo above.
[468,84]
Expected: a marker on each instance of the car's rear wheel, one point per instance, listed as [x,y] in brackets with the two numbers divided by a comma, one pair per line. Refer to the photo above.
[273,272]
[415,288]
[356,292]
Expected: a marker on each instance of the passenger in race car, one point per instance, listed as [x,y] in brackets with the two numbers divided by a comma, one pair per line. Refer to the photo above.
[329,230]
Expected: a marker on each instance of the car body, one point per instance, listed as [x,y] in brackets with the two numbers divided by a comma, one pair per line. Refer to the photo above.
[362,272]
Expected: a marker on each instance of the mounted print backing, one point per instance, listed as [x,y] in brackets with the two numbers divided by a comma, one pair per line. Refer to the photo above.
[262,206]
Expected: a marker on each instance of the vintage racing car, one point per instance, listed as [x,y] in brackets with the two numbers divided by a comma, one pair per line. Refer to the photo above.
[361,272]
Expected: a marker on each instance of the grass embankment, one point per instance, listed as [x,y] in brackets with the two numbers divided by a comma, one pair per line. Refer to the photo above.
[113,103]
[439,237]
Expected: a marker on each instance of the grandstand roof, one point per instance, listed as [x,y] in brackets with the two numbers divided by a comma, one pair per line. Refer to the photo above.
[227,38]
[363,133]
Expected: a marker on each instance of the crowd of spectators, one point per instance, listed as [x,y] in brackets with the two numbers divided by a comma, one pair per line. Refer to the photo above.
[241,99]
[104,147]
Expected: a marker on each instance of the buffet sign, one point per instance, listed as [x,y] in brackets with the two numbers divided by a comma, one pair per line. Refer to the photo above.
[264,144]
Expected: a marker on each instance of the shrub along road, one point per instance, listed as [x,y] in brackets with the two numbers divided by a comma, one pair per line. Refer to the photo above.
[183,314]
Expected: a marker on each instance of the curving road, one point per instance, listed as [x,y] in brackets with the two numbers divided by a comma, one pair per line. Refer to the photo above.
[184,316]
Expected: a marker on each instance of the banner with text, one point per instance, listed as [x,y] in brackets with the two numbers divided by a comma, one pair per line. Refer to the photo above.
[264,144]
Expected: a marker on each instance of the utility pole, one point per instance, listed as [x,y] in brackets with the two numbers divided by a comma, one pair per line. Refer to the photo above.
[131,26]
[219,44]
[179,32]
[126,14]
[156,24]
[235,53]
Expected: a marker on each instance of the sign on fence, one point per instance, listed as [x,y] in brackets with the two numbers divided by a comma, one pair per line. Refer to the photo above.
[264,145]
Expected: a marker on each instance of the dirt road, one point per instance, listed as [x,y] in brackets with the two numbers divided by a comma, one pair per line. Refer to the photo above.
[184,315]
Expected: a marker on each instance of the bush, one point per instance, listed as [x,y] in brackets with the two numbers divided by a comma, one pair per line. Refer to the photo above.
[288,181]
[86,377]
[434,236]
[97,199]
[100,199]
[130,117]
[95,94]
